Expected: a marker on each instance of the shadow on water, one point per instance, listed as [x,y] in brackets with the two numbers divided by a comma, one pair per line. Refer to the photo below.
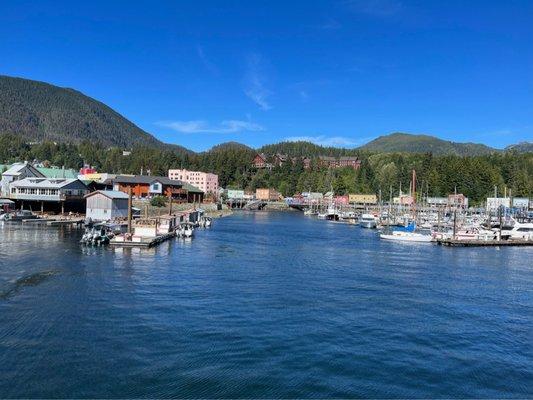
[25,281]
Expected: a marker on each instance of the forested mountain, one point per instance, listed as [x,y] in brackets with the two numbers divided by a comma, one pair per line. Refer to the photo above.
[304,149]
[407,143]
[522,147]
[63,127]
[38,111]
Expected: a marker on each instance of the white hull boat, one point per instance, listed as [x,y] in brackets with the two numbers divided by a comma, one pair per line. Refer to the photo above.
[407,237]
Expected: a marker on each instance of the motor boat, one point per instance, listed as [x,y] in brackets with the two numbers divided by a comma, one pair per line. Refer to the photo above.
[18,216]
[367,221]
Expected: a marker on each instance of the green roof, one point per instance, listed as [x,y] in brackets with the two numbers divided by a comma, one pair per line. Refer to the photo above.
[58,172]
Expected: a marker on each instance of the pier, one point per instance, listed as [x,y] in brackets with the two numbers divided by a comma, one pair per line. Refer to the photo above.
[483,243]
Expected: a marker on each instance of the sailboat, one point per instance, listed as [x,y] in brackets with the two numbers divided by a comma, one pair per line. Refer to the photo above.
[409,234]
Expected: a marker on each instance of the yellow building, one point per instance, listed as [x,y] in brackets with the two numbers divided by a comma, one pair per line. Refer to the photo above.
[363,198]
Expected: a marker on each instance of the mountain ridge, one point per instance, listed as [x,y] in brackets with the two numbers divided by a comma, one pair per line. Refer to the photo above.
[39,111]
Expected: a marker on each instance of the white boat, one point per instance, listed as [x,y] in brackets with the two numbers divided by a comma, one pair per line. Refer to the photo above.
[407,237]
[310,211]
[367,221]
[520,231]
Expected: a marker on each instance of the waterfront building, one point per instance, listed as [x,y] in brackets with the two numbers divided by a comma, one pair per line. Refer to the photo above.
[146,186]
[521,202]
[205,181]
[404,200]
[17,172]
[235,194]
[267,194]
[49,193]
[362,198]
[494,203]
[458,200]
[56,172]
[437,201]
[342,200]
[104,205]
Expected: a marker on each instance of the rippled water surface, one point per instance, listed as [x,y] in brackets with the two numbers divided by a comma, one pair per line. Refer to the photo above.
[263,305]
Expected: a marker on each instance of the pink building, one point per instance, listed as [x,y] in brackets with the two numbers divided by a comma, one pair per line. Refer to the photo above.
[204,181]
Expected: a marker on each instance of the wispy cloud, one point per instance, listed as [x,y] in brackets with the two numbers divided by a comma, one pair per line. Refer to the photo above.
[210,66]
[330,24]
[376,8]
[255,82]
[200,126]
[322,140]
[304,95]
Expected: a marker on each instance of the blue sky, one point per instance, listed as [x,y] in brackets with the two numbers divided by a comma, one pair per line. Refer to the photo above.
[334,72]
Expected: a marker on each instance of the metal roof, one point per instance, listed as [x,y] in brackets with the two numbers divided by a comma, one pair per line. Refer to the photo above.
[147,180]
[15,169]
[112,194]
[58,172]
[47,183]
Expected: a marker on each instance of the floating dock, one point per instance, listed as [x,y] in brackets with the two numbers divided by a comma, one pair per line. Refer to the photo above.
[137,241]
[483,243]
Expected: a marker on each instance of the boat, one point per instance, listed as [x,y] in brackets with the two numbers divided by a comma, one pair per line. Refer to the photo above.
[367,221]
[97,235]
[408,234]
[18,216]
[186,230]
[405,236]
[520,231]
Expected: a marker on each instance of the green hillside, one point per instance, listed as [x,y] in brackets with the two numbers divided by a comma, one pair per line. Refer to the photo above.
[407,143]
[38,111]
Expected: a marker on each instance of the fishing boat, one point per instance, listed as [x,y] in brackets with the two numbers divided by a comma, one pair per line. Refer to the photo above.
[367,221]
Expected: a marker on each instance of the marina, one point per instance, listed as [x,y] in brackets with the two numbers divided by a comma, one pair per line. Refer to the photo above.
[317,299]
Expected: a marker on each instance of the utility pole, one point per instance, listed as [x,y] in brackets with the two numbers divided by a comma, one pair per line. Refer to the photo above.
[129,209]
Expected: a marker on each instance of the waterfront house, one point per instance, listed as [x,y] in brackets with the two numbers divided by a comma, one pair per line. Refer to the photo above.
[52,194]
[17,172]
[146,186]
[362,199]
[104,205]
[267,194]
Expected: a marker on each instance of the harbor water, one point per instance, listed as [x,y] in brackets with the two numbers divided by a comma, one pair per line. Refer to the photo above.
[263,305]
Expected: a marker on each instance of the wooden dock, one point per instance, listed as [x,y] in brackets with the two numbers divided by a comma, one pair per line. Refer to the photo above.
[141,242]
[53,221]
[483,243]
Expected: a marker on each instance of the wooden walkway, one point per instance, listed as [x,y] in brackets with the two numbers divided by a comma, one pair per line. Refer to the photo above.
[483,243]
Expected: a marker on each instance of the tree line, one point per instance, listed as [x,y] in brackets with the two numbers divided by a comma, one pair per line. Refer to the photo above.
[474,176]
